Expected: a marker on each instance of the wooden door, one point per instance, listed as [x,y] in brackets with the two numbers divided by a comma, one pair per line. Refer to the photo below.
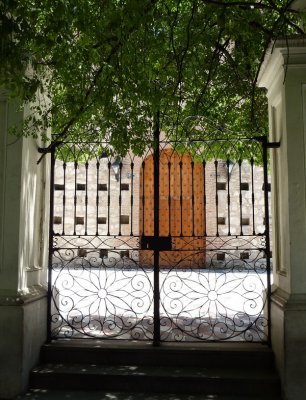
[181,208]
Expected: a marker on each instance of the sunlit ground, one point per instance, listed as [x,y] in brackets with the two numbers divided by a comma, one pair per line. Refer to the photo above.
[188,300]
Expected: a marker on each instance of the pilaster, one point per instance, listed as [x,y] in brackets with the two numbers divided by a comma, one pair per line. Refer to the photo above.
[284,76]
[23,252]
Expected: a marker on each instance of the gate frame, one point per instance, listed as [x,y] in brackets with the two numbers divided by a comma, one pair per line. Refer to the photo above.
[156,300]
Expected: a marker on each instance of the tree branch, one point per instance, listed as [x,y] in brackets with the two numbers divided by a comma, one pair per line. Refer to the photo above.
[64,132]
[241,4]
[293,25]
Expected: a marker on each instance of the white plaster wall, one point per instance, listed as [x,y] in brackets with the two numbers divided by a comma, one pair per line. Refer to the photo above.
[3,124]
[10,185]
[296,76]
[284,75]
[23,258]
[34,223]
[23,207]
[22,334]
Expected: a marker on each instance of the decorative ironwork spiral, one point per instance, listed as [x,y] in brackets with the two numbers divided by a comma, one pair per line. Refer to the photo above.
[180,234]
[100,297]
[225,303]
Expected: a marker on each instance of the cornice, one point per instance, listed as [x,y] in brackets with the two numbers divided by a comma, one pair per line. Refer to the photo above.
[271,68]
[283,53]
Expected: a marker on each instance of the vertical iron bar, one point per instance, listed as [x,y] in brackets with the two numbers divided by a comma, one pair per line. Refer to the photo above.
[253,195]
[51,234]
[181,195]
[132,196]
[192,196]
[267,234]
[97,198]
[120,197]
[217,200]
[108,198]
[75,195]
[240,198]
[156,339]
[169,198]
[64,198]
[86,196]
[204,198]
[228,199]
[143,198]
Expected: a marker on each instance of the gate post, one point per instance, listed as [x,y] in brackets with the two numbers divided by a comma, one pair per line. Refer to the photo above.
[283,74]
[23,252]
[156,337]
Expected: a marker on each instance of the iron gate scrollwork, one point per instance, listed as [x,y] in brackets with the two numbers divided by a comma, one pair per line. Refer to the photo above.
[170,246]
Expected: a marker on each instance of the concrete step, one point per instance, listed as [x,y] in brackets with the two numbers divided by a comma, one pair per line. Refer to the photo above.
[156,379]
[98,395]
[251,356]
[213,371]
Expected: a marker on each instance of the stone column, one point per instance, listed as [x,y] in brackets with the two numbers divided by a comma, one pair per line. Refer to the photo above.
[23,252]
[284,76]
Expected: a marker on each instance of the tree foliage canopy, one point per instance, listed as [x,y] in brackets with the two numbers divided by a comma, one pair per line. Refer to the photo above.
[110,66]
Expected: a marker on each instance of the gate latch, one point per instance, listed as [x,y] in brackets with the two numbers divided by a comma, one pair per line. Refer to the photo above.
[156,243]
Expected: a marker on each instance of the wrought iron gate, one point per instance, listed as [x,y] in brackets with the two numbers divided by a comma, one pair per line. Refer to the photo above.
[170,246]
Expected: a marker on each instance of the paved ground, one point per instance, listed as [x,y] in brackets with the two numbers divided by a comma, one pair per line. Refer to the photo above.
[195,304]
[80,395]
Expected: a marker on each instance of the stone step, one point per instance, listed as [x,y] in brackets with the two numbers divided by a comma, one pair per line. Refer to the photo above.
[250,356]
[224,380]
[221,371]
[37,394]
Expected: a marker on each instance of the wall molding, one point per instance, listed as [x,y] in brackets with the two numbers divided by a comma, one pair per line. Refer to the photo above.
[35,293]
[289,302]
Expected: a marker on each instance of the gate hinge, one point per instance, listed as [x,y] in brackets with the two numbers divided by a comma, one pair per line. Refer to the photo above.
[273,145]
[156,243]
[44,150]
